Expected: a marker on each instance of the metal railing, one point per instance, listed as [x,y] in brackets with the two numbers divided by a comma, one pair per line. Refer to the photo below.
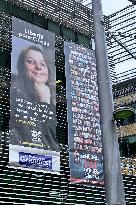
[124,76]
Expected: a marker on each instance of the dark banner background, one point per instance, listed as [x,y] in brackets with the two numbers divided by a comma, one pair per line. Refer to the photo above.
[84,132]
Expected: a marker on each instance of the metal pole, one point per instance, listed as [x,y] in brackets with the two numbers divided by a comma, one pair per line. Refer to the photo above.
[113,179]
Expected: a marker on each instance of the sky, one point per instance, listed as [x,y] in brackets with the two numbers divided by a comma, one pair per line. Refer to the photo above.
[110,7]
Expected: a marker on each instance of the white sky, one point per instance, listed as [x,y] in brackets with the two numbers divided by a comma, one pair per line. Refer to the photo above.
[111,6]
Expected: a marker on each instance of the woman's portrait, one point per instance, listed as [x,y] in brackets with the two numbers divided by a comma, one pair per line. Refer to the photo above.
[33,99]
[34,76]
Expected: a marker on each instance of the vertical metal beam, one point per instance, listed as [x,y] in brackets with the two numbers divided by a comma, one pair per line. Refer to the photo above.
[112,167]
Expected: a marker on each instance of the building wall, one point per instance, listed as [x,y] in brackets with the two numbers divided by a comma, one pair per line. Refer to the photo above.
[27,187]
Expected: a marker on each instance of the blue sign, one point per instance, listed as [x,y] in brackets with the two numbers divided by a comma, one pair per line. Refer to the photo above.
[35,160]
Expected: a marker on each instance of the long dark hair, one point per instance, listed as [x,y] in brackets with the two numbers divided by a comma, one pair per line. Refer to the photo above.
[24,85]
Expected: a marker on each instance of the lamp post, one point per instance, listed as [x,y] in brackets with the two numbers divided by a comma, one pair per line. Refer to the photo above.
[112,167]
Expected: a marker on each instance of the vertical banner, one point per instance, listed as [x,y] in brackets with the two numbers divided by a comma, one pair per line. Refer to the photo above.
[32,125]
[84,132]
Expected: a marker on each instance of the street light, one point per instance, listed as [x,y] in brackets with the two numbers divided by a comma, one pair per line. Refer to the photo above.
[113,179]
[123,113]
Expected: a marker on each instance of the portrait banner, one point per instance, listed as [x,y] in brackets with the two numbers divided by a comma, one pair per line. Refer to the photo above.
[84,131]
[32,125]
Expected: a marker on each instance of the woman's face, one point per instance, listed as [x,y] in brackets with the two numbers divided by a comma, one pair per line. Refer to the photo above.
[35,65]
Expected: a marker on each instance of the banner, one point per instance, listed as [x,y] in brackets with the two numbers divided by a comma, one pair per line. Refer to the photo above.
[84,132]
[33,99]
